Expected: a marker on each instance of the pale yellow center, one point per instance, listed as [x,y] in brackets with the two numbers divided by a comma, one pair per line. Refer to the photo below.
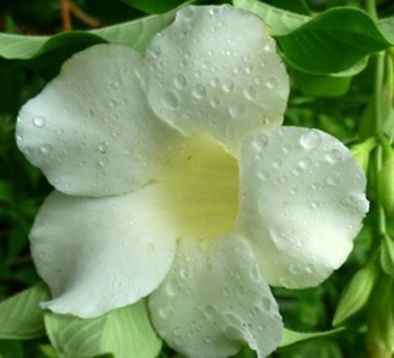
[201,187]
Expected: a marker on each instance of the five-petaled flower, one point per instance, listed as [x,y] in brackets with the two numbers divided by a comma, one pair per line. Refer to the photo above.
[175,180]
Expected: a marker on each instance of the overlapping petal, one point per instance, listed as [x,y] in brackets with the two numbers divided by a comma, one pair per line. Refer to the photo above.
[91,130]
[216,70]
[98,254]
[302,203]
[214,299]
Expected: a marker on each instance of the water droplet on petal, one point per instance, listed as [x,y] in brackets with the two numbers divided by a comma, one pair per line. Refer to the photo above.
[228,86]
[333,156]
[214,102]
[209,311]
[235,111]
[39,121]
[170,289]
[102,147]
[199,92]
[271,83]
[310,139]
[45,149]
[250,93]
[179,81]
[171,100]
[304,163]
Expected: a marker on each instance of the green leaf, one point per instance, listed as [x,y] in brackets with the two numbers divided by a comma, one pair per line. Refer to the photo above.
[316,46]
[290,337]
[298,6]
[11,349]
[387,255]
[386,26]
[154,6]
[21,317]
[356,293]
[43,51]
[280,21]
[321,86]
[125,332]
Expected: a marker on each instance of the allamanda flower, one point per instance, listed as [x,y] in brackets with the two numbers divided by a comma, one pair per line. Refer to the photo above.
[175,180]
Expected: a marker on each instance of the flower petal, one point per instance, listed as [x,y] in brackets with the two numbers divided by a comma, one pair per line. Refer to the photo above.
[91,130]
[214,299]
[216,70]
[97,254]
[302,203]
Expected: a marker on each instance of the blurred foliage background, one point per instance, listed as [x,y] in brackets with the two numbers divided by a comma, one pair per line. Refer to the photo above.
[23,188]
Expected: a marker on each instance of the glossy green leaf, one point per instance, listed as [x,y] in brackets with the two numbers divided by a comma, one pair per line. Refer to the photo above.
[316,46]
[356,293]
[280,21]
[290,337]
[125,332]
[154,6]
[21,317]
[320,85]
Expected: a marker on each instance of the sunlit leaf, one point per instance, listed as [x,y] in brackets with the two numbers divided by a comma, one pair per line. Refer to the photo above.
[21,317]
[315,46]
[290,337]
[125,332]
[280,21]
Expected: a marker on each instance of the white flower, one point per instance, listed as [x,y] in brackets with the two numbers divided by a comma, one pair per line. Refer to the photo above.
[175,180]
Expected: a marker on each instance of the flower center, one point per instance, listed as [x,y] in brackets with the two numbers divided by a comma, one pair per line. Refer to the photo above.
[202,187]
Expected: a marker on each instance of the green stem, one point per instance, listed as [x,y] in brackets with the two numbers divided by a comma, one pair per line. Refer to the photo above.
[379,78]
[380,211]
[370,6]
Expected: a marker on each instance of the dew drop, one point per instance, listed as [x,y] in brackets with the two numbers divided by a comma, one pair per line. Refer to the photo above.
[308,269]
[295,269]
[269,46]
[214,102]
[209,311]
[171,100]
[310,139]
[170,289]
[271,83]
[112,103]
[226,291]
[263,175]
[156,51]
[228,86]
[102,147]
[162,313]
[103,162]
[235,111]
[304,163]
[333,156]
[179,81]
[214,82]
[185,272]
[277,164]
[45,149]
[250,93]
[39,121]
[199,92]
[315,204]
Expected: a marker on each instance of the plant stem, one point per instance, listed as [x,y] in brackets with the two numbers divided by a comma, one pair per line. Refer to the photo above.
[66,17]
[378,84]
[370,6]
